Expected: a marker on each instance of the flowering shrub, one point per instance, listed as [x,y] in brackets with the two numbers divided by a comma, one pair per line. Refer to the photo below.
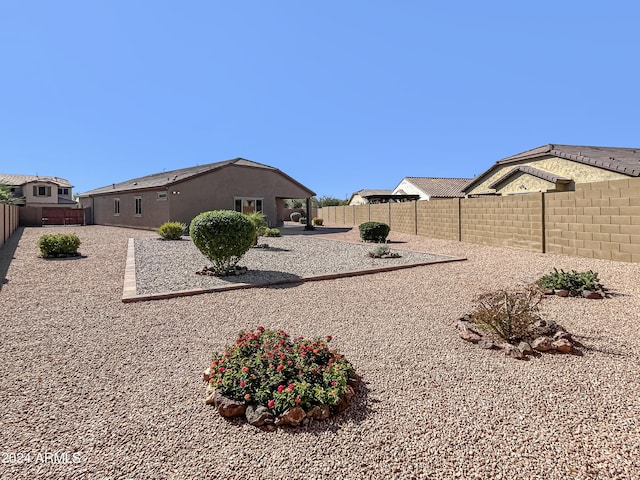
[267,367]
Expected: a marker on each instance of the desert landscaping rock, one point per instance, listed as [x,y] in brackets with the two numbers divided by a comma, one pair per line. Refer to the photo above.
[542,344]
[121,384]
[562,345]
[228,407]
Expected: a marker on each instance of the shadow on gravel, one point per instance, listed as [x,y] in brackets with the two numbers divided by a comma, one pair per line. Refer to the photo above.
[299,230]
[7,252]
[266,278]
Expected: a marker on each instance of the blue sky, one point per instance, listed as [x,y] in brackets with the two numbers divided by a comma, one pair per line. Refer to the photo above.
[341,95]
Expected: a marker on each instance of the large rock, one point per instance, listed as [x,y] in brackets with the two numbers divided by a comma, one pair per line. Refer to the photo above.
[512,351]
[292,416]
[467,332]
[226,406]
[542,344]
[321,412]
[488,344]
[591,295]
[562,345]
[562,293]
[525,348]
[258,415]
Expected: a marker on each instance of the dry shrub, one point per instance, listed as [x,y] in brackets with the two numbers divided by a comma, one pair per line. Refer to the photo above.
[510,315]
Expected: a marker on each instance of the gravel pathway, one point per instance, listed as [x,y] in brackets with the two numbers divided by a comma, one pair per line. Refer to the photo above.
[94,388]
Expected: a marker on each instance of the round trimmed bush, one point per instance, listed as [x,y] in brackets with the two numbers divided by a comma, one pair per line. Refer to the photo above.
[223,236]
[59,245]
[374,231]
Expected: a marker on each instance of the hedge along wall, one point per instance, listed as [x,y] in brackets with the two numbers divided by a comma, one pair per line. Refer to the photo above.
[598,220]
[509,221]
[9,221]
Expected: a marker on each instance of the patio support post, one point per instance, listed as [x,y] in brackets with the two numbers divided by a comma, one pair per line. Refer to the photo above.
[308,226]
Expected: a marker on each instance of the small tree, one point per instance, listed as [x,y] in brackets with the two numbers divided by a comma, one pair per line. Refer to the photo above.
[223,236]
[6,196]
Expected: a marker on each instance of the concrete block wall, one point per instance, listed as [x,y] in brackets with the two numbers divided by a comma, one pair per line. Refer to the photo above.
[439,218]
[512,221]
[361,213]
[380,212]
[598,220]
[403,217]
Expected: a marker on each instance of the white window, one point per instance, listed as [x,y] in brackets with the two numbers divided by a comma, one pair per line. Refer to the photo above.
[63,191]
[116,207]
[138,206]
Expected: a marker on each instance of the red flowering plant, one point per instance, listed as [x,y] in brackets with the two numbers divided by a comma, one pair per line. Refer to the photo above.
[267,367]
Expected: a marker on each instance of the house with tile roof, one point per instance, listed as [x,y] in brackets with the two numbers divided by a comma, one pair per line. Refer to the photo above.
[179,195]
[39,191]
[555,168]
[430,187]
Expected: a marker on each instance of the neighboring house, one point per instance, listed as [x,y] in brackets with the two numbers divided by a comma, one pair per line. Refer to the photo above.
[360,197]
[429,187]
[38,191]
[555,168]
[180,195]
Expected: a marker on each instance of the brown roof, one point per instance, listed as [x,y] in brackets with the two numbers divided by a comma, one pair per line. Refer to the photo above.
[10,179]
[366,192]
[440,187]
[166,179]
[536,172]
[615,159]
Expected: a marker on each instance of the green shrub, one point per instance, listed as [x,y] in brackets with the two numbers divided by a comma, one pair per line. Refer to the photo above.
[374,231]
[295,216]
[266,367]
[272,232]
[317,221]
[171,230]
[59,245]
[259,221]
[510,315]
[572,281]
[223,236]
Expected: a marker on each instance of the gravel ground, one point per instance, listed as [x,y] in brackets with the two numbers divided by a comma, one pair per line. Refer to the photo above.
[97,389]
[163,266]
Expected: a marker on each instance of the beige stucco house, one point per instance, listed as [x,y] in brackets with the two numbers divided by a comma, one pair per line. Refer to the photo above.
[39,191]
[180,195]
[430,187]
[555,168]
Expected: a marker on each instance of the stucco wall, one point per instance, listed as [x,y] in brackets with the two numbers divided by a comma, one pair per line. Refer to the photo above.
[154,212]
[216,190]
[578,172]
